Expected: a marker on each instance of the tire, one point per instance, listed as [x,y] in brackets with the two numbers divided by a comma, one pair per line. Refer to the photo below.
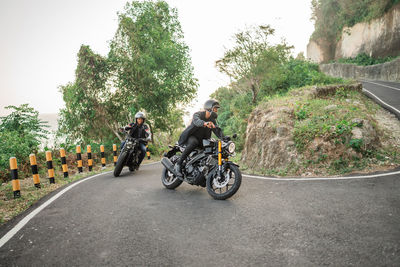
[169,184]
[231,191]
[120,164]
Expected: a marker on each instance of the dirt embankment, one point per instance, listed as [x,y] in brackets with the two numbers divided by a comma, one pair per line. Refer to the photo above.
[321,131]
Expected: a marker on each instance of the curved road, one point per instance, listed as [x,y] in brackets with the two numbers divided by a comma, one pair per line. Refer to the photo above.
[384,93]
[133,220]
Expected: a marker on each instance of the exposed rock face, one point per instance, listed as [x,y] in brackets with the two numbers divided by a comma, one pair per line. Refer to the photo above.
[378,38]
[320,51]
[323,91]
[365,132]
[269,143]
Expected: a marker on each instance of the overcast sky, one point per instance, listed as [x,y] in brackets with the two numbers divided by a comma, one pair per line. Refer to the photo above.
[41,38]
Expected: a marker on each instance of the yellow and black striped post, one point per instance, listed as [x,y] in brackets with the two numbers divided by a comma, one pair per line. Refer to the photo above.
[79,158]
[103,157]
[115,154]
[89,156]
[14,176]
[64,162]
[148,152]
[35,172]
[50,168]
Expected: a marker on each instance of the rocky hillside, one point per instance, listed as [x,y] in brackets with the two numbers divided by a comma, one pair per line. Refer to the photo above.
[377,38]
[321,131]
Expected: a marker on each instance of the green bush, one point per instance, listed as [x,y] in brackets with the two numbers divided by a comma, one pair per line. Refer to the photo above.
[236,106]
[20,135]
[365,60]
[356,144]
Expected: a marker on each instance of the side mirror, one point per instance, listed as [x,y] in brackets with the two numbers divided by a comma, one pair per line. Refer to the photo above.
[234,136]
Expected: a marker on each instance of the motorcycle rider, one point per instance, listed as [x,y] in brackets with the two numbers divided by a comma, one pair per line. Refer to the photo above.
[203,123]
[139,129]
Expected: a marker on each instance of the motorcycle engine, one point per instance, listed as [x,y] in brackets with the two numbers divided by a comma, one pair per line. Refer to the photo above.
[196,174]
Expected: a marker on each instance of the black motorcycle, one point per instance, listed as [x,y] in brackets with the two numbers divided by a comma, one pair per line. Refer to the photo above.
[129,155]
[207,167]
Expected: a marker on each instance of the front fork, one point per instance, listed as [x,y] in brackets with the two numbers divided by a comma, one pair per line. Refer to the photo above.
[219,158]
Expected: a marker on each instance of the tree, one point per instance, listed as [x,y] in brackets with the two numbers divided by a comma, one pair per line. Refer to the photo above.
[151,62]
[148,68]
[21,133]
[91,112]
[252,56]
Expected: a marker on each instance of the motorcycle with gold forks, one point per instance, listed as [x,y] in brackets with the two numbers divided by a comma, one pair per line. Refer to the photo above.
[208,167]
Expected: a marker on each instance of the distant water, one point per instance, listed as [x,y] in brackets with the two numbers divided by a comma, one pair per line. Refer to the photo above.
[51,120]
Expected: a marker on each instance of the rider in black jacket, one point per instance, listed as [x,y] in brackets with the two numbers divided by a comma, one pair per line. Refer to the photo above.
[139,129]
[202,125]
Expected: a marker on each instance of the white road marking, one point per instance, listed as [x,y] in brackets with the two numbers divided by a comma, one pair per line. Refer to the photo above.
[380,100]
[383,85]
[27,218]
[31,215]
[317,178]
[310,179]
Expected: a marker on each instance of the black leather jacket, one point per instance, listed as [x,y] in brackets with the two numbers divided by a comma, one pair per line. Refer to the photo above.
[140,131]
[198,124]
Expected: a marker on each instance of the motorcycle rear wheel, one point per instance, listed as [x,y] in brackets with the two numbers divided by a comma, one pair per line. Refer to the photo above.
[169,180]
[222,189]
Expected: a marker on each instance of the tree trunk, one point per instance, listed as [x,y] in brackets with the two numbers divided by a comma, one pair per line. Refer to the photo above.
[117,135]
[254,92]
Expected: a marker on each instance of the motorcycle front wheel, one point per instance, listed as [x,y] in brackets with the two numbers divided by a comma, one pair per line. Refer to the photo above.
[226,186]
[120,163]
[169,180]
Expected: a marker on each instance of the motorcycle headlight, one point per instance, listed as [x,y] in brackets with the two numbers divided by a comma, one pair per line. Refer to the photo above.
[231,147]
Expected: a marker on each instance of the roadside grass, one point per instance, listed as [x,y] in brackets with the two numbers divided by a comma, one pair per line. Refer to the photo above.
[322,133]
[10,207]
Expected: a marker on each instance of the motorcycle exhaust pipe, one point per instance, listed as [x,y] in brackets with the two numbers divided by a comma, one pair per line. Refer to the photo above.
[168,164]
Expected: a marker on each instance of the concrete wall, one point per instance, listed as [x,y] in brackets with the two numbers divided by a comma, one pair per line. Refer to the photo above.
[389,71]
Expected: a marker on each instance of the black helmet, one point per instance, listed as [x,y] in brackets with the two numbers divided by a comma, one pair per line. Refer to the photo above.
[210,104]
[140,115]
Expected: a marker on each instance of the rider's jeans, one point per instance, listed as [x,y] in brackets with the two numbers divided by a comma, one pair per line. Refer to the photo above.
[191,144]
[142,148]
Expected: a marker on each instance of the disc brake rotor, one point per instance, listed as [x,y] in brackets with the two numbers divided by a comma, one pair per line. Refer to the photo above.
[220,182]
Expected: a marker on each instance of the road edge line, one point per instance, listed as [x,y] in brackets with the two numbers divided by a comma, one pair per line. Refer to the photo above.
[384,85]
[322,178]
[31,215]
[392,109]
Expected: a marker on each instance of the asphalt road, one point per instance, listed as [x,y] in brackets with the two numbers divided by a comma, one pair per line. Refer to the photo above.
[388,92]
[134,221]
